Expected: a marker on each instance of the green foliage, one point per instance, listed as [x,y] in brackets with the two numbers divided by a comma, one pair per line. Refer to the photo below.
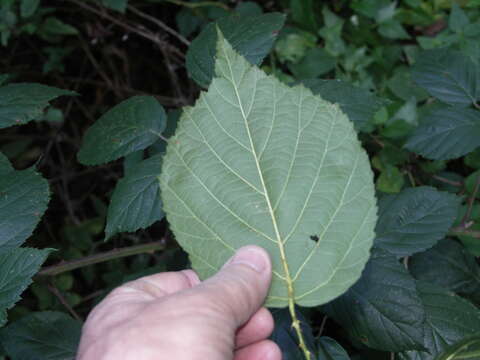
[21,103]
[44,335]
[414,220]
[130,126]
[383,310]
[257,178]
[252,37]
[136,200]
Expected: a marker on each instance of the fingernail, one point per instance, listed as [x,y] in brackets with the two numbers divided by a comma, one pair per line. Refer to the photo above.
[251,256]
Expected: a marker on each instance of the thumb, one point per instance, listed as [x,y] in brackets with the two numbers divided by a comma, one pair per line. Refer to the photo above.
[242,284]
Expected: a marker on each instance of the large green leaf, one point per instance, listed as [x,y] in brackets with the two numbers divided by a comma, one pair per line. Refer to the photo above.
[449,76]
[130,126]
[45,335]
[17,267]
[24,196]
[252,37]
[449,319]
[136,200]
[383,309]
[415,219]
[258,162]
[447,132]
[304,14]
[449,265]
[359,104]
[21,103]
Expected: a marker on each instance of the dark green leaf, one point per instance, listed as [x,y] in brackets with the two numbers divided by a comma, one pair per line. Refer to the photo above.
[17,267]
[448,265]
[414,220]
[21,103]
[45,335]
[136,200]
[118,5]
[457,20]
[467,349]
[449,76]
[303,13]
[449,319]
[392,29]
[359,104]
[28,7]
[24,196]
[315,63]
[54,26]
[286,338]
[383,309]
[130,126]
[248,8]
[447,132]
[391,180]
[252,37]
[329,349]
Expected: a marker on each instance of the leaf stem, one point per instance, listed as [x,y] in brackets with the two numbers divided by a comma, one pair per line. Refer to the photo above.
[102,257]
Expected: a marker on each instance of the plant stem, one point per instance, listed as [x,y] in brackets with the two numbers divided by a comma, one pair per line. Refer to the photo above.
[99,258]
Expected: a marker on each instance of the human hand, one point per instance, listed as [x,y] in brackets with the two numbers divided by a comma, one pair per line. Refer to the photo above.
[173,315]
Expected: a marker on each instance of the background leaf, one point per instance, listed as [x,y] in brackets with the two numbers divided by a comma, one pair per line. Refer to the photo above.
[24,196]
[329,349]
[130,126]
[446,133]
[285,337]
[414,220]
[359,104]
[298,183]
[448,265]
[449,76]
[44,335]
[21,103]
[118,5]
[383,309]
[17,267]
[449,319]
[136,202]
[252,37]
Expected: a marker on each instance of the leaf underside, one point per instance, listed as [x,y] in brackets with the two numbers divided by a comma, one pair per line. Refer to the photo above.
[258,162]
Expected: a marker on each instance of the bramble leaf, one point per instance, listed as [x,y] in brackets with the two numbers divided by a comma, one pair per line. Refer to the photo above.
[383,309]
[17,267]
[24,196]
[449,319]
[130,126]
[449,76]
[447,132]
[136,200]
[252,37]
[258,162]
[23,102]
[47,335]
[414,220]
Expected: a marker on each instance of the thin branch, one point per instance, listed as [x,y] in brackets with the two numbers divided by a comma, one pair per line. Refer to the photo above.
[102,257]
[198,4]
[322,325]
[466,232]
[448,181]
[63,301]
[159,24]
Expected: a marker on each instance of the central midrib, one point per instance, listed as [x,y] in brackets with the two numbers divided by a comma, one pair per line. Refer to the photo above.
[288,278]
